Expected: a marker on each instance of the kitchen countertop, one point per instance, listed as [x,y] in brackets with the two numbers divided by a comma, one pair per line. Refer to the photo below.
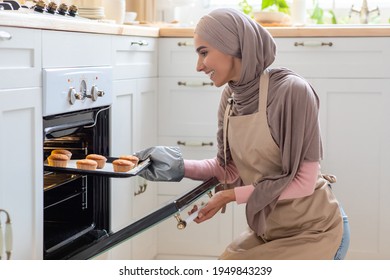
[38,21]
[34,20]
[303,31]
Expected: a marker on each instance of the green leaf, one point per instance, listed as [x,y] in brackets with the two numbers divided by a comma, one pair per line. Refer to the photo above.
[281,5]
[334,19]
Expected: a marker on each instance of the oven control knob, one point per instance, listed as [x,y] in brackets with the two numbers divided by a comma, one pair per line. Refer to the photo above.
[72,93]
[95,93]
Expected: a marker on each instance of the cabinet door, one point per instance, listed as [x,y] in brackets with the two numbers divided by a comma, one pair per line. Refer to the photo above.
[177,58]
[21,169]
[205,240]
[133,127]
[145,192]
[356,134]
[122,190]
[187,107]
[134,57]
[20,57]
[196,241]
[335,57]
[74,49]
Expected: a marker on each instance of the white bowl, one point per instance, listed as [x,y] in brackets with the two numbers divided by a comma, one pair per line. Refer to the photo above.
[270,17]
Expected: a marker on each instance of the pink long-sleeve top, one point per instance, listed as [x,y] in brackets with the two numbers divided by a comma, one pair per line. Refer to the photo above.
[302,185]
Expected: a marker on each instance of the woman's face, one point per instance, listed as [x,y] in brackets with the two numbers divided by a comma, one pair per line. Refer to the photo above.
[220,67]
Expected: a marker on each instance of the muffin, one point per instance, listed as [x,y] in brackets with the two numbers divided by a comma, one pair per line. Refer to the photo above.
[131,158]
[122,165]
[100,160]
[58,160]
[62,152]
[87,164]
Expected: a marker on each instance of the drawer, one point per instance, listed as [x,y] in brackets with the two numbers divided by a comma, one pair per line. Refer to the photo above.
[134,57]
[188,107]
[335,57]
[20,57]
[72,49]
[177,57]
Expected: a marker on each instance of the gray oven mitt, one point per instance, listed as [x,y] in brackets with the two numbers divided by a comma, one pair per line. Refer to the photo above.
[166,164]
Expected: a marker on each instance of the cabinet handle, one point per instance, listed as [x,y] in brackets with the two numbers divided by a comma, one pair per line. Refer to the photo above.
[141,189]
[5,35]
[7,236]
[140,43]
[185,44]
[194,84]
[193,144]
[313,44]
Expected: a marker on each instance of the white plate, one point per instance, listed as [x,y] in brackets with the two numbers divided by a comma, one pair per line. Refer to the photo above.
[270,17]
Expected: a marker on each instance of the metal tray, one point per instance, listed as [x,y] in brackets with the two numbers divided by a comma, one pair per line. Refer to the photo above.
[106,171]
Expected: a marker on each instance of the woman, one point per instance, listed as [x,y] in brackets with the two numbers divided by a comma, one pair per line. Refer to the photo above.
[269,147]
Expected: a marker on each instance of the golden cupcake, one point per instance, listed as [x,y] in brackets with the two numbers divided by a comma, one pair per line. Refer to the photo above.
[100,160]
[58,160]
[62,152]
[131,158]
[122,165]
[87,164]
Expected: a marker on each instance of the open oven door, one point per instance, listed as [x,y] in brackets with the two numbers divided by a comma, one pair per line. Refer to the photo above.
[171,208]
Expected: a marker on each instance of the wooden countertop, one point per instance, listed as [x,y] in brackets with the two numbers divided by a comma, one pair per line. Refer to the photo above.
[38,21]
[303,31]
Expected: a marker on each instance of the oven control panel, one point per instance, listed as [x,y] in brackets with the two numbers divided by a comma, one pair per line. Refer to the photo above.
[74,89]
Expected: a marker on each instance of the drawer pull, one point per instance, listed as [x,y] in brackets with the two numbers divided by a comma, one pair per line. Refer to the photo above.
[141,189]
[194,84]
[185,44]
[313,44]
[140,43]
[5,35]
[193,144]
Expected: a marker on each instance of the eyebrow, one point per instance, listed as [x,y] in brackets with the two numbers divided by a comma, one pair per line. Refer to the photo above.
[200,48]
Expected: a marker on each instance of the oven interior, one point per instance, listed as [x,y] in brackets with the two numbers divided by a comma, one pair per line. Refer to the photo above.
[76,207]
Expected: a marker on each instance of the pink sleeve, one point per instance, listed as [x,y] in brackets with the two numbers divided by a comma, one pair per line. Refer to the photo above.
[302,185]
[204,169]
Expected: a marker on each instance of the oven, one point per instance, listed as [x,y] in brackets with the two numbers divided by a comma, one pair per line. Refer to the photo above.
[76,117]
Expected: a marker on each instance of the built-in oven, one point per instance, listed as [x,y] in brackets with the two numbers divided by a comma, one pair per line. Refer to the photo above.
[76,117]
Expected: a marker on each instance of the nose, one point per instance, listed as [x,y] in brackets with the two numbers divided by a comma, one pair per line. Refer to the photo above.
[199,65]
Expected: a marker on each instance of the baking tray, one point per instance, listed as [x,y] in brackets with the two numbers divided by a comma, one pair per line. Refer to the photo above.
[106,171]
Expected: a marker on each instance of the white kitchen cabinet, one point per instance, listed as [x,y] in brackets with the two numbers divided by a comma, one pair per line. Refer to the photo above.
[187,107]
[74,49]
[134,57]
[351,78]
[20,57]
[354,122]
[133,127]
[21,169]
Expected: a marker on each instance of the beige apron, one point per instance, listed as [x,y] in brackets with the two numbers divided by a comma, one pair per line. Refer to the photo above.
[303,228]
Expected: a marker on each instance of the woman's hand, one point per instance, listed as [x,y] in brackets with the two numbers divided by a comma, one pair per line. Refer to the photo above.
[216,202]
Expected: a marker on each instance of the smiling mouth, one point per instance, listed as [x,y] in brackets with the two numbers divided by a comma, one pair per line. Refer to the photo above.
[210,74]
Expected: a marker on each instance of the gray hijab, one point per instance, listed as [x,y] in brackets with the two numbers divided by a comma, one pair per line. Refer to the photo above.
[235,34]
[292,107]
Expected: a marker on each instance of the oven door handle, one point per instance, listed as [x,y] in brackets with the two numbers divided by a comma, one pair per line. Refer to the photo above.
[67,126]
[168,210]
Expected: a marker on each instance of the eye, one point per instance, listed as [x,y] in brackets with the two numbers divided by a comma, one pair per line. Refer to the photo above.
[203,53]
